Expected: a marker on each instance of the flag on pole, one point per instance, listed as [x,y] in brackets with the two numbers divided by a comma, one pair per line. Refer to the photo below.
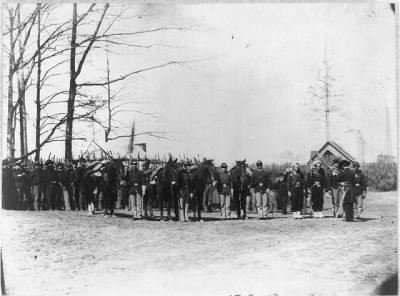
[142,146]
[131,139]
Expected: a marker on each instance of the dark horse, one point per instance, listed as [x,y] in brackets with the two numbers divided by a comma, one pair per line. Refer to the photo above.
[168,189]
[241,176]
[200,175]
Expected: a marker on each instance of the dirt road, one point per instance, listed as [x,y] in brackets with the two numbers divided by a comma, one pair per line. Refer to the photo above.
[70,253]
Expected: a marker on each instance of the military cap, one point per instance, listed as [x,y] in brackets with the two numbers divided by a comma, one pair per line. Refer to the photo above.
[356,164]
[344,163]
[49,162]
[316,162]
[224,165]
[259,163]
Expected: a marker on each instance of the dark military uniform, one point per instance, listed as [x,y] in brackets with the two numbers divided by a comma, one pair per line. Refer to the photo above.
[9,191]
[50,181]
[346,180]
[136,181]
[124,188]
[36,178]
[334,186]
[185,190]
[109,188]
[273,195]
[316,181]
[360,190]
[260,184]
[295,185]
[283,192]
[224,187]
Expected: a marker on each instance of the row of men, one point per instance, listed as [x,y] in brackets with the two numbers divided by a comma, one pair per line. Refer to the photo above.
[79,185]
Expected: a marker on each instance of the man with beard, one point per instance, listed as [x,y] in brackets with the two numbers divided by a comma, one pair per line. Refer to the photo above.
[295,185]
[260,180]
[360,188]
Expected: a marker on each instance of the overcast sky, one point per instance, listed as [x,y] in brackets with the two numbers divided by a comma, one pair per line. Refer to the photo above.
[248,96]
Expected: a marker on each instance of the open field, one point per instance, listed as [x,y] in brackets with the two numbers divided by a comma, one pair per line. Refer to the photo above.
[70,253]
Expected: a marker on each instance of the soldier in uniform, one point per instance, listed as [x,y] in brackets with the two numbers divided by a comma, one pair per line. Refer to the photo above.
[151,189]
[136,189]
[295,187]
[260,180]
[360,188]
[64,177]
[79,173]
[61,177]
[185,190]
[316,182]
[9,191]
[123,182]
[36,178]
[346,181]
[273,196]
[109,174]
[225,190]
[334,186]
[50,181]
[283,191]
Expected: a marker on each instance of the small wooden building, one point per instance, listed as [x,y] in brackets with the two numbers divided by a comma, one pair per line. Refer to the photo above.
[328,152]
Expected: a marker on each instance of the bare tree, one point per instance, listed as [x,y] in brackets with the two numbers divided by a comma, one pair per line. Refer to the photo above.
[324,100]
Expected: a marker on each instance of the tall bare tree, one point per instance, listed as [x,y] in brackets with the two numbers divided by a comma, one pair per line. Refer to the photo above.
[324,100]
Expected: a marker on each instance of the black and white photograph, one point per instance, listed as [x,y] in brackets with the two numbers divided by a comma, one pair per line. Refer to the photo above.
[217,148]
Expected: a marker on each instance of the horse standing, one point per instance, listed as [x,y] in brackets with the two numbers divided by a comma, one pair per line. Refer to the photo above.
[200,174]
[168,188]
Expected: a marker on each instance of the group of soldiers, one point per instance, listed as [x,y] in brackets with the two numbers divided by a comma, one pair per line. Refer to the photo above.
[105,184]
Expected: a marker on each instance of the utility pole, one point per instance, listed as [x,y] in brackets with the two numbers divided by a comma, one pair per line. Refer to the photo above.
[388,134]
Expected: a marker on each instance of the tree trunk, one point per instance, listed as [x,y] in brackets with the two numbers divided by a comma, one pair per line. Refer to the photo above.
[11,110]
[72,89]
[38,105]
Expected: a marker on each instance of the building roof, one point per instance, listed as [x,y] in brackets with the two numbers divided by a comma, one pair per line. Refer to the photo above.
[334,149]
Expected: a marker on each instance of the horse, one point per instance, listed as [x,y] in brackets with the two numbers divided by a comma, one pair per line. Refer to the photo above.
[201,174]
[167,188]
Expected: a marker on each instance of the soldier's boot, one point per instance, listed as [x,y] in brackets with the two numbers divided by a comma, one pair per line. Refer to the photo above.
[299,216]
[294,215]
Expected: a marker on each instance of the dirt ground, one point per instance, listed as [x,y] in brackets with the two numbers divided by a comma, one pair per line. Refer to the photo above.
[70,253]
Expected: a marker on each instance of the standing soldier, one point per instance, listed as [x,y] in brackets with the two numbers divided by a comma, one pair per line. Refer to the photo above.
[151,189]
[21,183]
[225,190]
[64,177]
[360,188]
[295,187]
[79,185]
[185,190]
[316,182]
[37,185]
[61,177]
[260,184]
[109,174]
[9,191]
[123,182]
[273,195]
[334,186]
[246,194]
[283,191]
[136,190]
[208,194]
[50,181]
[346,181]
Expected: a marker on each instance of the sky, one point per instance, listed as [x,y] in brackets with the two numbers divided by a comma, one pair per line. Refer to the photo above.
[246,95]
